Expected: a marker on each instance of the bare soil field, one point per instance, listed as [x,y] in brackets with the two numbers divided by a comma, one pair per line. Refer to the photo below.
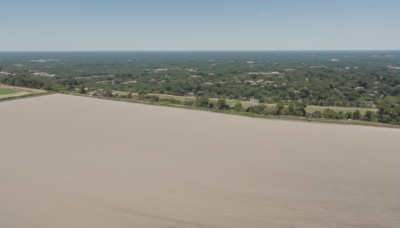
[68,161]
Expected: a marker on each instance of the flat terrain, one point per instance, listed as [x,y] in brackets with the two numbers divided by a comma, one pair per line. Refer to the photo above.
[4,91]
[9,92]
[68,161]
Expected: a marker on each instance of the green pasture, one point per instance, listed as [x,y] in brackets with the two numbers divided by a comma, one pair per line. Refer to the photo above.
[4,91]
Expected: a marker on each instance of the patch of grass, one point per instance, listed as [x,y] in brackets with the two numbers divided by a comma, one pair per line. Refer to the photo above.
[179,98]
[4,91]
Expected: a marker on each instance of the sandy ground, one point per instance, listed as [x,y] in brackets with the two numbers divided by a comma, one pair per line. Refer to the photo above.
[79,162]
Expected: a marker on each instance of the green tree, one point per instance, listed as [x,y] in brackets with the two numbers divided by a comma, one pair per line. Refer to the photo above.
[280,106]
[258,109]
[329,114]
[238,107]
[370,116]
[222,105]
[202,101]
[357,115]
[291,109]
[317,114]
[300,109]
[340,115]
[389,110]
[108,93]
[348,115]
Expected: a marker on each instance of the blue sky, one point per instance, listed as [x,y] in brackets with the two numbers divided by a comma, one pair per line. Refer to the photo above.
[71,25]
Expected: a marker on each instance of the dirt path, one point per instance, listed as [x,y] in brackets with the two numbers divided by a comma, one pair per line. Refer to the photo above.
[23,92]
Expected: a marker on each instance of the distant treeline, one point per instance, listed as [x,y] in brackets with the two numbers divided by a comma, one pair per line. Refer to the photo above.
[346,79]
[388,112]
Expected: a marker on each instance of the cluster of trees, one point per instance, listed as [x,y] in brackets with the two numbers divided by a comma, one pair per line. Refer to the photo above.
[356,79]
[359,81]
[205,102]
[150,98]
[340,115]
[389,111]
[281,108]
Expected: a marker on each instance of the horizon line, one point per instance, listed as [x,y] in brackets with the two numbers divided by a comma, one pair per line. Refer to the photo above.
[232,50]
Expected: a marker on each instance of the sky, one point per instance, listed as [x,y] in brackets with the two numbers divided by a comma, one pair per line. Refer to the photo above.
[173,25]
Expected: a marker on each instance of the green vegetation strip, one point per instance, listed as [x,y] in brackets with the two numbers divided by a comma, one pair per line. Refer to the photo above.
[247,104]
[166,102]
[4,91]
[25,96]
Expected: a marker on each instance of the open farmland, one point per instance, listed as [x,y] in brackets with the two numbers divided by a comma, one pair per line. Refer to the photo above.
[11,92]
[68,161]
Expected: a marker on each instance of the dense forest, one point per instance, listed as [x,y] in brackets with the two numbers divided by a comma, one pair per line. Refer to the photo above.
[363,79]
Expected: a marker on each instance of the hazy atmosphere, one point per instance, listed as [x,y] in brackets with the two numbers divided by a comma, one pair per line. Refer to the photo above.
[73,25]
[199,113]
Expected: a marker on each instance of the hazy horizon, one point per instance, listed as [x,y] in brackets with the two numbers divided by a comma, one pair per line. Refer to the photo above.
[181,25]
[320,50]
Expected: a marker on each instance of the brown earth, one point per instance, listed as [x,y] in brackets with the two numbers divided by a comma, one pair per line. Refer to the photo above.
[68,161]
